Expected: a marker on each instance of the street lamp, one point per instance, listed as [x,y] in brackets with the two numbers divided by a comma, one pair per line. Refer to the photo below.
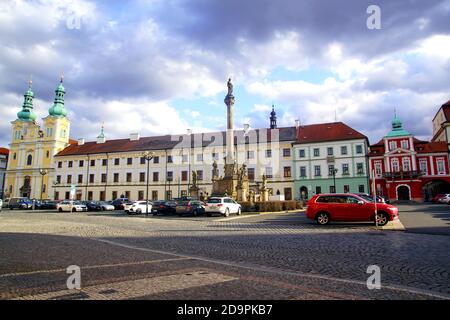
[189,132]
[148,156]
[334,171]
[43,172]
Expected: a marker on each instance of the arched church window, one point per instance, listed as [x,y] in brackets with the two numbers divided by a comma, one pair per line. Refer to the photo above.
[29,160]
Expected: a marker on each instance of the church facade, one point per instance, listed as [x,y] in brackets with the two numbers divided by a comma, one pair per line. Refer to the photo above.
[33,148]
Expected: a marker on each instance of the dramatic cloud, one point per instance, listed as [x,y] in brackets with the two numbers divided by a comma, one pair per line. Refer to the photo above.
[160,67]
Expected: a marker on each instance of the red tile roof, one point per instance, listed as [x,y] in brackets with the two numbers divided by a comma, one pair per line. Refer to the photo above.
[4,151]
[324,132]
[165,142]
[431,147]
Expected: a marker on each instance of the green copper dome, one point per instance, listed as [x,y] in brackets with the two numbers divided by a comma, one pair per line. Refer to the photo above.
[58,110]
[27,114]
[397,128]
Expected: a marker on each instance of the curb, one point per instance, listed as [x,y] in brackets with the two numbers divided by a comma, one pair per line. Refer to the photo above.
[395,225]
[249,213]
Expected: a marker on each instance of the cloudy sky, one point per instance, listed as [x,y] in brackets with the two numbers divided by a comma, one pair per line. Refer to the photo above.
[161,66]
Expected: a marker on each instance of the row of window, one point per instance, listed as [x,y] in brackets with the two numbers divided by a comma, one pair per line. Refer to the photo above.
[406,166]
[330,151]
[332,170]
[404,144]
[169,176]
[18,135]
[346,189]
[184,158]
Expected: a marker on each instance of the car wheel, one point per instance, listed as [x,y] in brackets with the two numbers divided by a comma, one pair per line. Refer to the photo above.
[74,210]
[227,212]
[323,218]
[138,211]
[239,212]
[383,219]
[60,210]
[195,213]
[155,214]
[209,215]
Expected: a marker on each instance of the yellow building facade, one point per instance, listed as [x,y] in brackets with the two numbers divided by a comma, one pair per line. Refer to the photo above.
[33,147]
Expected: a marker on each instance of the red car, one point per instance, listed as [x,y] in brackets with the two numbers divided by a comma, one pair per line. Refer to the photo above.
[324,208]
[436,198]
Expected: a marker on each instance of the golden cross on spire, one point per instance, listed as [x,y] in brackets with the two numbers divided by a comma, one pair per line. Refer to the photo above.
[62,77]
[30,81]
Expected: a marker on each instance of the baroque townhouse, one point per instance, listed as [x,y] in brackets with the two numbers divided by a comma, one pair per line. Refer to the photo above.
[441,125]
[108,169]
[330,157]
[407,168]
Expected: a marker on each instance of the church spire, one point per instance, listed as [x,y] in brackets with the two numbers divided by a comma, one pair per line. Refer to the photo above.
[27,114]
[58,110]
[273,118]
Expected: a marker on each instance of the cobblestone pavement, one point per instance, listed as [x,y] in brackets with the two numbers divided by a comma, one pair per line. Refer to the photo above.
[279,256]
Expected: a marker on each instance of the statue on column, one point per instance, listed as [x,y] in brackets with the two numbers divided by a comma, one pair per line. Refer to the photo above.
[230,87]
[215,170]
[194,179]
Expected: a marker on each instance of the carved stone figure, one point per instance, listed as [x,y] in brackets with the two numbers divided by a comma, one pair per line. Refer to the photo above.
[194,178]
[264,182]
[215,170]
[230,87]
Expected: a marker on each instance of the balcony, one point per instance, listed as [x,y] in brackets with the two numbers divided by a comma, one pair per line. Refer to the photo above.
[402,175]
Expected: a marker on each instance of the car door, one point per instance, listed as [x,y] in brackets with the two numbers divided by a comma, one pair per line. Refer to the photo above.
[337,207]
[235,206]
[357,211]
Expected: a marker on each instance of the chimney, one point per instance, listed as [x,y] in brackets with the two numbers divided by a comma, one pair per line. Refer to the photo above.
[134,136]
[80,141]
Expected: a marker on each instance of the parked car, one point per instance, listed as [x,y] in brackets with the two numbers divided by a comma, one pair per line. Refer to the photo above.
[119,204]
[20,203]
[92,205]
[436,198]
[166,208]
[222,205]
[139,207]
[156,205]
[71,206]
[445,199]
[106,206]
[5,203]
[190,207]
[46,205]
[127,205]
[324,208]
[1,204]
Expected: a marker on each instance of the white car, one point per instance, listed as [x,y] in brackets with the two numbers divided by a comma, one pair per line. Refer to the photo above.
[106,206]
[127,206]
[71,206]
[139,207]
[1,204]
[222,205]
[445,199]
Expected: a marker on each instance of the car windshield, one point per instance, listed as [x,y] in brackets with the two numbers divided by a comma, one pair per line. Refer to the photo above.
[214,200]
[77,202]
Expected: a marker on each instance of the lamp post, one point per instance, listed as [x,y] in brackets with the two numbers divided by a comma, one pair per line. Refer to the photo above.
[148,156]
[334,171]
[43,172]
[189,132]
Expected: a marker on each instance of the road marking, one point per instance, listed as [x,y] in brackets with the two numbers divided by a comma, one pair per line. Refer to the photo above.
[136,288]
[278,271]
[91,267]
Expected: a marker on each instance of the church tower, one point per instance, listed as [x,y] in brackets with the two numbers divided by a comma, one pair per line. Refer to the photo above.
[273,118]
[32,149]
